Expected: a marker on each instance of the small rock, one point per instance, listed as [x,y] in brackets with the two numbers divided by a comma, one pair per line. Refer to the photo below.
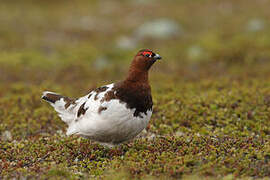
[60,133]
[195,53]
[144,134]
[125,43]
[6,136]
[76,160]
[45,134]
[159,29]
[179,133]
[101,63]
[255,25]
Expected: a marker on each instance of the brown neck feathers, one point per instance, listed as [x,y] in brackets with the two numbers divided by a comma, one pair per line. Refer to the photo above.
[138,71]
[136,75]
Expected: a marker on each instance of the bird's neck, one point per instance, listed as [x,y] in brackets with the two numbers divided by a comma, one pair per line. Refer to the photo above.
[136,75]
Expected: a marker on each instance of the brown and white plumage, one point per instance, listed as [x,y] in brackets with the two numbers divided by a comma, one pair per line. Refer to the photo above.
[114,113]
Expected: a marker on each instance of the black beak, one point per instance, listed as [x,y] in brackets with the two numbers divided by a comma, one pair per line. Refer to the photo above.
[157,57]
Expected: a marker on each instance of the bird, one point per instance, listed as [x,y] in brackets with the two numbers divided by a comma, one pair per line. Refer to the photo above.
[114,113]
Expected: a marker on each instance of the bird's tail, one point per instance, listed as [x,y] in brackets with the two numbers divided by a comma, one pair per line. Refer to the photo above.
[51,97]
[63,105]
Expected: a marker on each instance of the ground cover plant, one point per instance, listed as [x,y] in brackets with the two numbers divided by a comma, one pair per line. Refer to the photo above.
[211,91]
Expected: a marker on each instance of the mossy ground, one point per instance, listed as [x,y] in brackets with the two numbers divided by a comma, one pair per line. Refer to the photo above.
[211,90]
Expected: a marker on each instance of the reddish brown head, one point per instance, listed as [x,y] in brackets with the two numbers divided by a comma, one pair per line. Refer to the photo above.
[144,59]
[141,63]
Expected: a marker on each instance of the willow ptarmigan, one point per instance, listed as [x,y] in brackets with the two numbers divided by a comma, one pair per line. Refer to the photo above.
[113,113]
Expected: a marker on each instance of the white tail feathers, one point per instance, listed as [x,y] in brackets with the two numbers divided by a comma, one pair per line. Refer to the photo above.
[63,105]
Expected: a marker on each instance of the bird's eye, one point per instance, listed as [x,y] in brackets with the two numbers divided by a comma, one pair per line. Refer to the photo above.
[147,54]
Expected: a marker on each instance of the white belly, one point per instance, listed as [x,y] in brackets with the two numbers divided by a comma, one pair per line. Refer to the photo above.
[114,125]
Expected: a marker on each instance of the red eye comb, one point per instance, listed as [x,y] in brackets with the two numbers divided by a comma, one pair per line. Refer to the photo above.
[147,52]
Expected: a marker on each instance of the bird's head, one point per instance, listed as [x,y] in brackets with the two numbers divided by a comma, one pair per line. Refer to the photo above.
[144,59]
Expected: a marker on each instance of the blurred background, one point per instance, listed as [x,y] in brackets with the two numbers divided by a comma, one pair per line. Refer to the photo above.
[85,41]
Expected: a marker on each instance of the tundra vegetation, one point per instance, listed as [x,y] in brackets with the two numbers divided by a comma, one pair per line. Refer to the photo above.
[211,90]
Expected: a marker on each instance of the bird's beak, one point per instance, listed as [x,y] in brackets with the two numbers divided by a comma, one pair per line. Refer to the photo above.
[157,57]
